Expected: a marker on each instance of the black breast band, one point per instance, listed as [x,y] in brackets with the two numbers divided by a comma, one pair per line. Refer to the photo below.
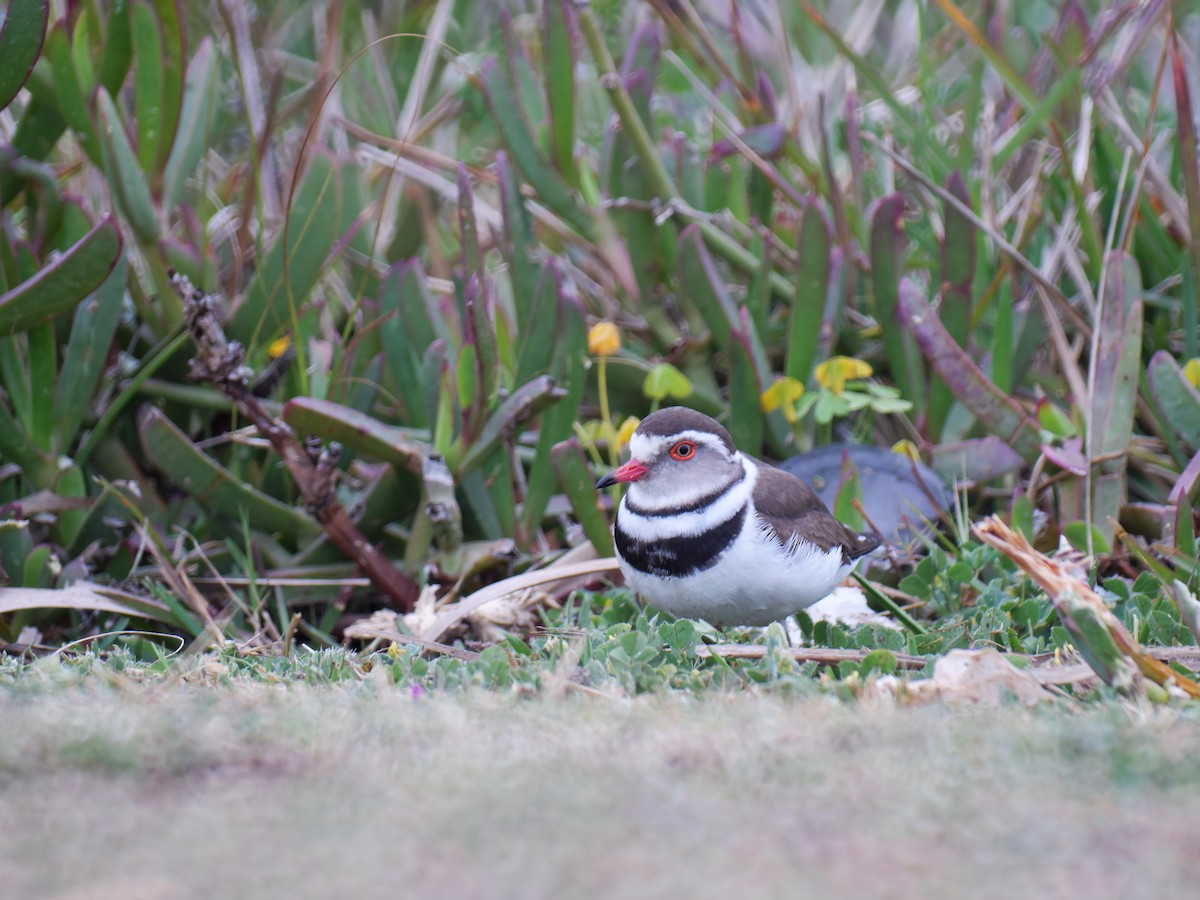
[686,554]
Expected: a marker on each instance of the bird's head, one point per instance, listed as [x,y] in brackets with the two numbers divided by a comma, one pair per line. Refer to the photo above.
[678,456]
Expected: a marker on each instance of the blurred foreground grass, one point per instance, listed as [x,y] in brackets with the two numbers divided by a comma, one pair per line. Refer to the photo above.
[181,790]
[966,230]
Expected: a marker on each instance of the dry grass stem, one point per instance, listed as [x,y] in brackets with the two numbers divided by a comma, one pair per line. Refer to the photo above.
[1064,588]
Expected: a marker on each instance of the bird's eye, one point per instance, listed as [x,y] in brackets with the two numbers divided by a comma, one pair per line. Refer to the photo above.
[684,450]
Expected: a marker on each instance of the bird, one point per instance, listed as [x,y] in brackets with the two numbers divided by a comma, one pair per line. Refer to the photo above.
[705,531]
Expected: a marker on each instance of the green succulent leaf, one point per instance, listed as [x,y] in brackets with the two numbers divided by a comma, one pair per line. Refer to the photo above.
[568,368]
[68,94]
[578,484]
[561,37]
[62,284]
[812,287]
[125,172]
[293,265]
[1177,400]
[174,60]
[21,39]
[355,429]
[515,132]
[197,473]
[888,252]
[85,354]
[997,410]
[148,86]
[524,403]
[195,124]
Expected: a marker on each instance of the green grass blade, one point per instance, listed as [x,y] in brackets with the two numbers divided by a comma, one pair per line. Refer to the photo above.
[159,357]
[926,148]
[1037,118]
[889,604]
[997,59]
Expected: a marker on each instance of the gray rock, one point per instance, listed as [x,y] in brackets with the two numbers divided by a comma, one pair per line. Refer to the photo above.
[899,495]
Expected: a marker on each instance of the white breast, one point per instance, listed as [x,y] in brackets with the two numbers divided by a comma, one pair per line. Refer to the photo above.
[757,581]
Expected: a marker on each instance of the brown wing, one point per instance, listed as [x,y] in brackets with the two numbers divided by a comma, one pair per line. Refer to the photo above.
[789,506]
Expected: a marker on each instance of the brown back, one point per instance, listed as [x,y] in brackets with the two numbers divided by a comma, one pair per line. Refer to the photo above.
[789,506]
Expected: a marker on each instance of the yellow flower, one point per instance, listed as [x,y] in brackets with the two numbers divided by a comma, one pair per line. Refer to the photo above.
[908,449]
[603,339]
[1191,371]
[837,370]
[279,347]
[783,395]
[625,432]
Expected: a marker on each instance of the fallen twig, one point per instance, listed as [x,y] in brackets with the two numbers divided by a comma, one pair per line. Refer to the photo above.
[222,363]
[822,655]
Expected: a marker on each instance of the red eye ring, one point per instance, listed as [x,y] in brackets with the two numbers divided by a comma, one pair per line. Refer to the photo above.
[684,450]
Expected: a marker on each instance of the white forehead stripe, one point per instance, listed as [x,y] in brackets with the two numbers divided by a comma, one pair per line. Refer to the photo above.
[647,446]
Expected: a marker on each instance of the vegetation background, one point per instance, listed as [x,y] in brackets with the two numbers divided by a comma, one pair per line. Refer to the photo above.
[461,247]
[461,250]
